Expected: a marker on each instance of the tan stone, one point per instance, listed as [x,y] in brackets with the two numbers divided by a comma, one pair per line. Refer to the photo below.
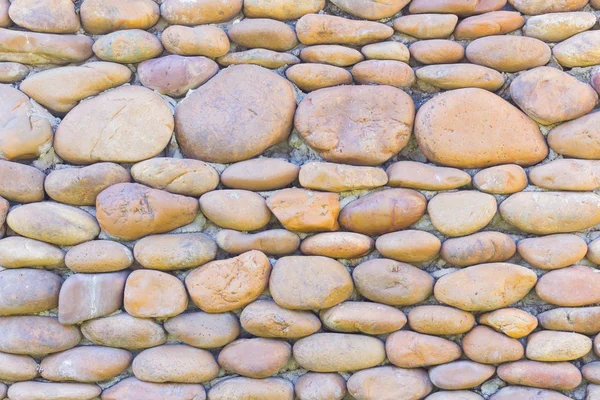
[263,33]
[272,242]
[363,317]
[585,320]
[331,54]
[411,246]
[248,388]
[132,388]
[460,375]
[461,213]
[412,174]
[557,346]
[494,23]
[481,138]
[261,113]
[98,256]
[436,51]
[260,174]
[457,76]
[459,7]
[204,40]
[567,174]
[86,364]
[508,53]
[16,368]
[371,10]
[483,247]
[382,212]
[552,251]
[339,177]
[591,371]
[197,12]
[542,6]
[383,72]
[261,57]
[119,212]
[123,330]
[408,349]
[485,287]
[485,345]
[544,213]
[154,294]
[52,16]
[281,9]
[391,282]
[570,287]
[440,320]
[265,318]
[525,393]
[99,16]
[320,386]
[175,251]
[593,252]
[128,46]
[204,330]
[386,51]
[309,282]
[557,27]
[454,395]
[255,357]
[21,183]
[28,291]
[510,321]
[309,77]
[178,363]
[338,352]
[501,179]
[329,29]
[581,50]
[53,391]
[35,335]
[337,245]
[18,252]
[322,119]
[227,285]
[389,383]
[12,72]
[426,26]
[4,18]
[303,210]
[235,209]
[577,138]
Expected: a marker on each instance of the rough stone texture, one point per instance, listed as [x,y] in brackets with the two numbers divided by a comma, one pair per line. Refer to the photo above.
[460,375]
[359,317]
[337,245]
[127,47]
[28,291]
[132,388]
[440,320]
[580,50]
[53,391]
[249,388]
[577,138]
[581,320]
[510,321]
[427,26]
[411,174]
[264,318]
[331,54]
[260,174]
[485,345]
[557,346]
[501,179]
[383,72]
[458,76]
[437,51]
[558,376]
[386,51]
[557,27]
[21,183]
[124,331]
[36,335]
[320,386]
[197,12]
[303,210]
[272,242]
[493,23]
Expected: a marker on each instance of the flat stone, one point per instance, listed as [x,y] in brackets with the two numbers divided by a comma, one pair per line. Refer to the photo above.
[426,26]
[508,53]
[261,57]
[204,330]
[309,283]
[558,376]
[510,321]
[460,375]
[53,391]
[371,10]
[408,349]
[309,77]
[272,242]
[580,50]
[552,251]
[482,247]
[132,388]
[337,245]
[461,213]
[329,29]
[501,179]
[557,27]
[551,212]
[459,7]
[320,386]
[567,174]
[85,364]
[542,7]
[437,51]
[416,175]
[51,16]
[154,294]
[26,131]
[440,320]
[386,51]
[323,120]
[557,346]
[577,138]
[484,345]
[4,18]
[281,9]
[19,252]
[303,210]
[12,72]
[363,317]
[454,395]
[493,23]
[226,285]
[255,357]
[174,75]
[593,253]
[262,113]
[525,393]
[263,33]
[338,352]
[411,246]
[123,330]
[384,211]
[175,251]
[331,54]
[177,363]
[485,287]
[585,320]
[383,72]
[35,335]
[198,12]
[480,138]
[204,40]
[591,371]
[340,178]
[570,287]
[28,291]
[388,383]
[264,318]
[98,256]
[43,48]
[241,210]
[119,212]
[21,183]
[391,282]
[247,388]
[128,124]
[260,174]
[99,17]
[15,368]
[128,46]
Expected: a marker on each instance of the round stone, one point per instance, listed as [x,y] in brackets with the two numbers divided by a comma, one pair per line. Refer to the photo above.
[520,392]
[501,179]
[36,335]
[440,320]
[437,51]
[21,183]
[203,40]
[426,26]
[98,256]
[28,291]
[493,23]
[263,33]
[389,383]
[340,177]
[577,138]
[416,175]
[580,50]
[337,245]
[52,16]
[53,391]
[264,318]
[331,54]
[330,29]
[154,294]
[536,7]
[368,10]
[320,386]
[248,388]
[460,375]
[567,174]
[198,12]
[281,9]
[15,368]
[411,246]
[570,287]
[558,376]
[134,388]
[485,345]
[383,72]
[255,357]
[585,320]
[18,252]
[552,251]
[408,349]
[241,210]
[461,213]
[204,330]
[508,53]
[386,51]
[557,27]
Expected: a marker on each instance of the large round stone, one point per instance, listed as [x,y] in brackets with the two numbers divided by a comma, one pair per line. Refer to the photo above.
[245,109]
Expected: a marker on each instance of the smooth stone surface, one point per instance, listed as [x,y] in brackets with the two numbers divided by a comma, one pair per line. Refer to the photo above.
[585,320]
[264,318]
[261,57]
[593,253]
[525,393]
[35,335]
[440,320]
[309,77]
[127,47]
[154,294]
[123,330]
[484,345]
[557,346]
[132,389]
[459,7]
[408,349]
[501,179]
[454,395]
[383,72]
[303,210]
[458,76]
[577,138]
[411,246]
[173,252]
[337,245]
[389,383]
[12,72]
[363,317]
[386,51]
[241,210]
[204,330]
[255,357]
[15,368]
[437,51]
[567,174]
[493,23]
[281,9]
[371,10]
[198,12]
[174,75]
[460,375]
[248,388]
[427,26]
[320,386]
[21,183]
[558,376]
[508,53]
[19,252]
[552,251]
[331,54]
[340,177]
[512,322]
[416,175]
[591,371]
[329,29]
[556,27]
[263,33]
[483,247]
[461,213]
[204,40]
[541,7]
[104,16]
[580,50]
[28,291]
[570,287]
[260,174]
[53,391]
[272,242]
[98,256]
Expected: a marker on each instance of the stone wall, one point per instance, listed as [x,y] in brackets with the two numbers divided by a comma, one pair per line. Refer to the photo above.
[299,199]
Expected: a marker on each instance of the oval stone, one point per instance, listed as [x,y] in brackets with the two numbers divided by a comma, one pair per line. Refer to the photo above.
[426,26]
[123,330]
[493,23]
[98,256]
[262,113]
[261,57]
[577,138]
[458,76]
[154,294]
[28,291]
[21,183]
[53,391]
[485,345]
[309,77]
[303,210]
[585,320]
[176,175]
[416,175]
[227,285]
[437,51]
[461,213]
[265,318]
[363,317]
[16,368]
[338,352]
[309,282]
[104,16]
[501,179]
[85,364]
[525,393]
[460,375]
[18,252]
[570,287]
[483,247]
[320,386]
[132,388]
[440,320]
[369,10]
[567,174]
[411,246]
[508,53]
[330,29]
[454,395]
[386,51]
[557,346]
[591,371]
[340,177]
[541,7]
[128,46]
[272,242]
[459,7]
[557,27]
[204,330]
[281,9]
[510,321]
[172,252]
[593,252]
[53,16]
[552,251]
[198,12]
[408,349]
[331,54]
[485,287]
[263,33]
[337,245]
[480,138]
[12,72]
[255,357]
[248,388]
[391,282]
[544,213]
[383,72]
[389,383]
[260,174]
[580,50]
[204,40]
[241,210]
[36,335]
[322,119]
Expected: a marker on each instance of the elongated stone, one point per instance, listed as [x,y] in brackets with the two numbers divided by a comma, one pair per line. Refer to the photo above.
[339,177]
[570,287]
[585,320]
[36,335]
[508,53]
[18,252]
[329,29]
[567,174]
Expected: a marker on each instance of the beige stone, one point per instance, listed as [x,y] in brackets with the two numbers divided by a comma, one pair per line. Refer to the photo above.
[198,12]
[508,53]
[255,357]
[16,368]
[309,77]
[437,51]
[427,26]
[320,386]
[558,376]
[593,252]
[556,27]
[154,294]
[303,210]
[128,46]
[203,40]
[204,330]
[552,251]
[501,179]
[383,72]
[28,291]
[123,330]
[510,321]
[248,388]
[281,9]
[52,16]
[412,174]
[408,349]
[235,209]
[363,317]
[260,174]
[4,18]
[175,251]
[132,388]
[329,29]
[577,138]
[261,57]
[98,256]
[542,6]
[386,51]
[36,335]
[12,72]
[520,392]
[581,50]
[493,23]
[557,346]
[18,252]
[482,247]
[371,10]
[460,375]
[53,391]
[337,245]
[458,76]
[264,318]
[339,177]
[585,320]
[459,7]
[440,320]
[99,16]
[454,395]
[411,246]
[591,371]
[570,287]
[567,174]
[21,183]
[331,54]
[272,242]
[389,383]
[461,213]
[485,345]
[263,33]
